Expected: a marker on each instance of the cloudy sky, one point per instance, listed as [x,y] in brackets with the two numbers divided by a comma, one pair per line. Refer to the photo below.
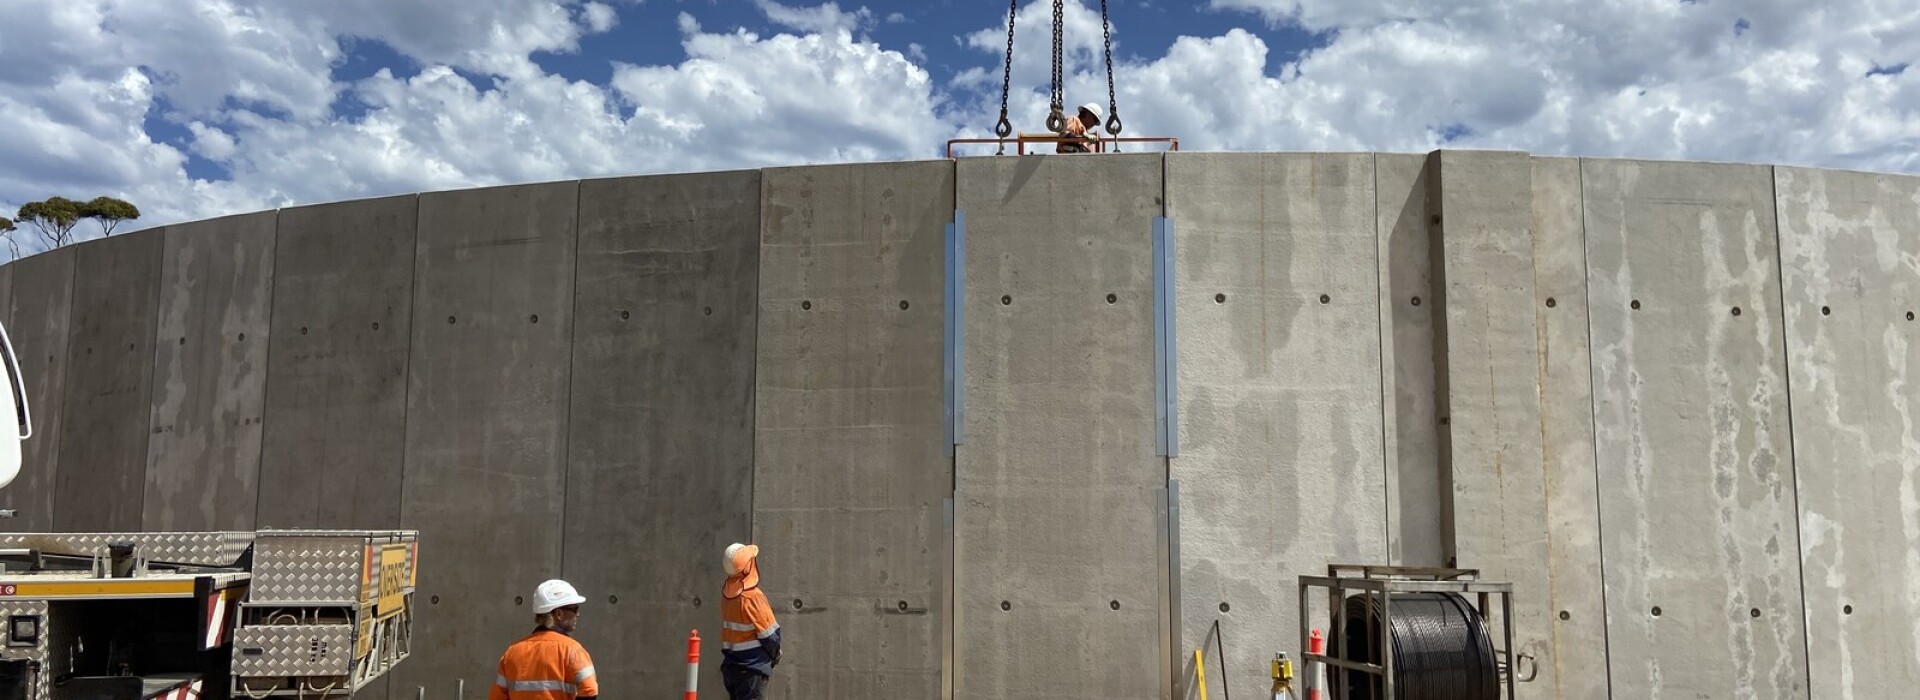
[196,108]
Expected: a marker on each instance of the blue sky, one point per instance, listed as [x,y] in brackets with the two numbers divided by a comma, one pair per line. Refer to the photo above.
[196,108]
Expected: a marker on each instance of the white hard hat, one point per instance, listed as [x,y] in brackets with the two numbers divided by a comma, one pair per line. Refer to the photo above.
[555,594]
[733,549]
[1094,108]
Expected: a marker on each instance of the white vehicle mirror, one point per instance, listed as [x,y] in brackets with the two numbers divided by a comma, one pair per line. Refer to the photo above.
[16,405]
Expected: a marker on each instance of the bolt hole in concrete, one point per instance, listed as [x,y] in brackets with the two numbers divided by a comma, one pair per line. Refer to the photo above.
[1635,305]
[1436,219]
[903,606]
[1909,315]
[1325,299]
[243,337]
[624,315]
[376,326]
[797,604]
[708,311]
[1113,604]
[904,305]
[612,599]
[1564,616]
[303,330]
[1219,298]
[183,341]
[450,320]
[435,600]
[1754,613]
[1416,301]
[517,600]
[1656,611]
[1736,311]
[1826,311]
[1006,300]
[1551,302]
[696,602]
[1005,606]
[1226,608]
[806,306]
[1112,298]
[534,318]
[1848,610]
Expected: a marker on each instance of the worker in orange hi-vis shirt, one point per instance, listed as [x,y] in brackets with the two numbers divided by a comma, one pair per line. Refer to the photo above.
[749,636]
[548,664]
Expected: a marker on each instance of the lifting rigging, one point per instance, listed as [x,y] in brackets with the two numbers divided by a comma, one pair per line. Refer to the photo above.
[1056,105]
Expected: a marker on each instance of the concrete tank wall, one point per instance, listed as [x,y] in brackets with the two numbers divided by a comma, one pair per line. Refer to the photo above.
[1621,385]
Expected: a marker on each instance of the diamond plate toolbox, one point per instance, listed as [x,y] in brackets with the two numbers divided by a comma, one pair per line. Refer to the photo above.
[196,548]
[278,651]
[321,567]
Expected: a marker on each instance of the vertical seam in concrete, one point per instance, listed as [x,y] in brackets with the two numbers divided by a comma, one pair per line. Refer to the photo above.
[566,420]
[1383,283]
[60,399]
[1793,449]
[406,391]
[153,371]
[266,372]
[1593,421]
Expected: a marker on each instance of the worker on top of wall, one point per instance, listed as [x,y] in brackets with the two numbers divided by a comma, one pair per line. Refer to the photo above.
[1081,130]
[749,636]
[548,664]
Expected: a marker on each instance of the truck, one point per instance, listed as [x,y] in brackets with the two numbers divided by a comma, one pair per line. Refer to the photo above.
[306,614]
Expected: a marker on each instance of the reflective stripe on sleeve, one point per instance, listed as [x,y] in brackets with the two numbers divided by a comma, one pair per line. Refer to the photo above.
[500,681]
[770,630]
[583,675]
[525,686]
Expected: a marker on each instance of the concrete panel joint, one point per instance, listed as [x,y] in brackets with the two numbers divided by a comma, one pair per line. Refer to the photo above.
[956,265]
[1166,409]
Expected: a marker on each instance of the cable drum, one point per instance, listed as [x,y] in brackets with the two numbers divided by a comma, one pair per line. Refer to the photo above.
[1441,649]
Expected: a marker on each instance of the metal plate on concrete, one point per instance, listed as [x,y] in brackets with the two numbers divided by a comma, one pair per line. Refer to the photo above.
[486,420]
[1570,632]
[851,468]
[210,374]
[1691,428]
[660,468]
[37,324]
[109,383]
[1849,243]
[1416,525]
[342,320]
[1280,469]
[1058,472]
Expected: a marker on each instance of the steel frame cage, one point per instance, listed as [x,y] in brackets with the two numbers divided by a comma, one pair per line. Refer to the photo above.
[1380,583]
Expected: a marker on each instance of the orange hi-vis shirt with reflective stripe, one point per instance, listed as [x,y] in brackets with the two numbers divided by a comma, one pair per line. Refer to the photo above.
[546,665]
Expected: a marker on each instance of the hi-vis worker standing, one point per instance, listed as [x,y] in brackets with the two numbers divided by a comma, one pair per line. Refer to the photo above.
[749,636]
[548,664]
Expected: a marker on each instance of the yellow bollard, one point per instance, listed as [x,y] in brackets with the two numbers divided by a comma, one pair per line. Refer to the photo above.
[1200,672]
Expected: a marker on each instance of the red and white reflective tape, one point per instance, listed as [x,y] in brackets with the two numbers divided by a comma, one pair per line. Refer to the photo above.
[693,665]
[186,692]
[216,619]
[1316,671]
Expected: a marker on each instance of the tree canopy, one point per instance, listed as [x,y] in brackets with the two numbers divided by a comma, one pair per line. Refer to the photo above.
[54,218]
[109,212]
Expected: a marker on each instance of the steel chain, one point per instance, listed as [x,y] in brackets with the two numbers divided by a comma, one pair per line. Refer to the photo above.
[1056,114]
[1113,102]
[1004,127]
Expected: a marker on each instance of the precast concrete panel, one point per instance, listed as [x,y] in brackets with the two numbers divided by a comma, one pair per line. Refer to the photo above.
[1490,391]
[1848,246]
[37,320]
[1575,629]
[1691,428]
[1281,470]
[851,466]
[1417,526]
[660,466]
[342,324]
[486,421]
[109,384]
[1058,575]
[210,374]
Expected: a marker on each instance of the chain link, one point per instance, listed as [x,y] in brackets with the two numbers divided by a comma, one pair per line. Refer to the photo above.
[1004,127]
[1113,102]
[1056,114]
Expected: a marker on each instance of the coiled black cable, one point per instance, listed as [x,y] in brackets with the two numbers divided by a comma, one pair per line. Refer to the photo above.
[1441,649]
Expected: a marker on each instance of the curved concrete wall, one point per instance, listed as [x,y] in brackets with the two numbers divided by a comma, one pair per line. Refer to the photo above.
[1622,385]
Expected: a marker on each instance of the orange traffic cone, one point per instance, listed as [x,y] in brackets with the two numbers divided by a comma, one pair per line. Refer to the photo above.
[1316,671]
